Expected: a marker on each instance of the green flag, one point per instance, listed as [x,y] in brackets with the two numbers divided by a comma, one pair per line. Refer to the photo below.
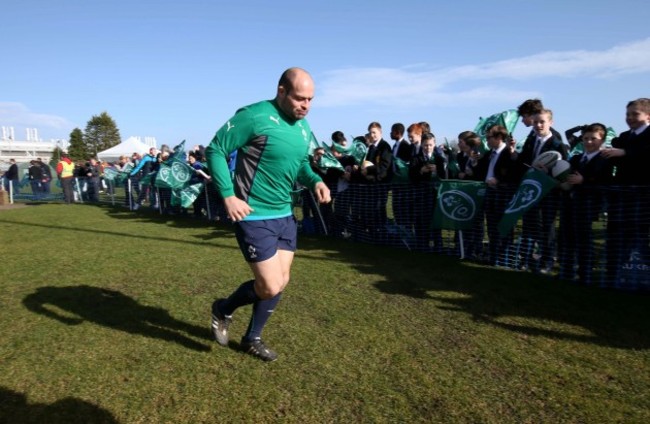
[453,169]
[359,152]
[329,161]
[401,174]
[507,119]
[534,185]
[186,196]
[356,149]
[459,203]
[146,180]
[173,174]
[110,174]
[313,144]
[114,176]
[178,152]
[128,168]
[579,149]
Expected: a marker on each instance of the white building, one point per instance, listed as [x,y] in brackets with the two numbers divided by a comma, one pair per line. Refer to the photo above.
[26,150]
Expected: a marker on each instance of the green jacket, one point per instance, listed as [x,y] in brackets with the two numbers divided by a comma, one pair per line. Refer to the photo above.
[272,153]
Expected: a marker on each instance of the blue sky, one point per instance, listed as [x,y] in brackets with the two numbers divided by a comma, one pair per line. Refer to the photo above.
[178,70]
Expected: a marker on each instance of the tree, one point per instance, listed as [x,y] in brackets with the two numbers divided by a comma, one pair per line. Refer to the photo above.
[56,156]
[101,134]
[76,146]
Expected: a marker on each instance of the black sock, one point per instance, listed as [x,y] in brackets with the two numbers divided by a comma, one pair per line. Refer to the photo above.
[262,310]
[244,295]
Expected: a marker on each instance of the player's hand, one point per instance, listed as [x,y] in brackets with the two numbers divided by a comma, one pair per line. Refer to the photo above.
[236,208]
[322,193]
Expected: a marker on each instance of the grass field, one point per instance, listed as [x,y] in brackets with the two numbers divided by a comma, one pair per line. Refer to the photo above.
[105,315]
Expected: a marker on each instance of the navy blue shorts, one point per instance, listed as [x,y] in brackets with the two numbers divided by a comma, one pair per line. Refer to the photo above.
[260,240]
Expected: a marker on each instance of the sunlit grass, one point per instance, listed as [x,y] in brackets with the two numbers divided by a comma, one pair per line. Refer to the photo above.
[105,314]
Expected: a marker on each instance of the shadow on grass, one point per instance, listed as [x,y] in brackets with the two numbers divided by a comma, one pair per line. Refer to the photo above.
[113,309]
[15,409]
[514,301]
[527,304]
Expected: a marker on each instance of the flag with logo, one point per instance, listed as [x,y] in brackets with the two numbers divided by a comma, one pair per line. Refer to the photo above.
[401,171]
[178,152]
[356,149]
[114,176]
[185,197]
[534,185]
[174,174]
[148,179]
[328,160]
[507,119]
[458,204]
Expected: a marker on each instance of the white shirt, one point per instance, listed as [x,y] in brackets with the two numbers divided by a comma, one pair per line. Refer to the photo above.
[539,142]
[396,146]
[639,130]
[493,161]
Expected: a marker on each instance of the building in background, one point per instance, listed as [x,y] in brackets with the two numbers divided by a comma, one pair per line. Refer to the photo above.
[28,149]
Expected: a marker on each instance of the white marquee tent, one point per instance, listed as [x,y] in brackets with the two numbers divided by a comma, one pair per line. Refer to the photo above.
[127,147]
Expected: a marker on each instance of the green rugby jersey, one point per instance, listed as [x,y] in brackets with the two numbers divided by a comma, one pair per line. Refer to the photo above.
[272,153]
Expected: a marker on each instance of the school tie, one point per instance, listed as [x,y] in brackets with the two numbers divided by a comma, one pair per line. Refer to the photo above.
[538,146]
[583,161]
[371,153]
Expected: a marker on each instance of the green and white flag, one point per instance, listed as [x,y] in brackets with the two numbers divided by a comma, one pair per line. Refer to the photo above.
[401,174]
[114,176]
[459,203]
[313,144]
[327,160]
[110,174]
[508,119]
[534,185]
[128,168]
[173,174]
[453,169]
[356,149]
[178,152]
[579,148]
[186,196]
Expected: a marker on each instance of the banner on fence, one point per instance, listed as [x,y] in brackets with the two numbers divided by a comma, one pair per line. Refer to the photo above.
[533,187]
[459,203]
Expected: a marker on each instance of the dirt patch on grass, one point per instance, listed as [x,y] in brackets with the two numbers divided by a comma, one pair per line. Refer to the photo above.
[14,206]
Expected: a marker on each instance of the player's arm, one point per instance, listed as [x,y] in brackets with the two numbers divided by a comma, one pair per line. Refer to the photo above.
[308,178]
[233,135]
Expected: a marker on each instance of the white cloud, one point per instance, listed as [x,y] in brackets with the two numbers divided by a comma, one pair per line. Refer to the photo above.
[17,114]
[411,86]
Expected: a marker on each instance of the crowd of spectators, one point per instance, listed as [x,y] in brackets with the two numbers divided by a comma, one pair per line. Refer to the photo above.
[390,197]
[607,184]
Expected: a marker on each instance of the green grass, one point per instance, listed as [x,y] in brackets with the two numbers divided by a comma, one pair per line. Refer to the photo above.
[104,318]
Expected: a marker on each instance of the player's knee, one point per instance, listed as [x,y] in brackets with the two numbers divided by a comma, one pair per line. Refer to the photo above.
[267,291]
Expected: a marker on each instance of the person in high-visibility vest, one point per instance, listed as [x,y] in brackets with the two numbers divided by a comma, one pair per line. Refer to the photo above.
[65,172]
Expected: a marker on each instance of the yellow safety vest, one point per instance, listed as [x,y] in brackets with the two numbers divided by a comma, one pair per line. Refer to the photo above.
[68,169]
